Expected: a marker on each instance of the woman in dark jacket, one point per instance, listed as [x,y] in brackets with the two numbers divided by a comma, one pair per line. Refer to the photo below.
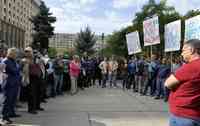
[11,87]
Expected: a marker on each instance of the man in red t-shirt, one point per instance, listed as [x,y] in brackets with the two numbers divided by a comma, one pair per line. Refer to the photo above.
[184,100]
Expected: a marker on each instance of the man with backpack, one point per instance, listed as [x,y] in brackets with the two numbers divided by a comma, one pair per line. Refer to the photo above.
[139,75]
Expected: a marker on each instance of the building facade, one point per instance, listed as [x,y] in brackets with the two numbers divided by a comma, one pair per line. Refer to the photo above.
[100,43]
[62,41]
[65,41]
[15,26]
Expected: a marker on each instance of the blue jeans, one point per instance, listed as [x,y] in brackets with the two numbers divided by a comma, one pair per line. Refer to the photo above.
[9,103]
[104,78]
[160,87]
[112,79]
[181,121]
[58,83]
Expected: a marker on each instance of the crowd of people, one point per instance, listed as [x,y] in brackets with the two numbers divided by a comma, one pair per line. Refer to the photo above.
[34,78]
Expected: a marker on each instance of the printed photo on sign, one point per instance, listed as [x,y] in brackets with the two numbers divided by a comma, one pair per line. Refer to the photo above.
[133,43]
[192,28]
[151,31]
[172,36]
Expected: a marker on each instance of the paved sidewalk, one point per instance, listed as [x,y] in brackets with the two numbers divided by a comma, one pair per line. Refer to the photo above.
[99,107]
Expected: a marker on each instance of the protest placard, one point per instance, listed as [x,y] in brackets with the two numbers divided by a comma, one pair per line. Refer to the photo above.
[192,28]
[173,36]
[133,43]
[151,31]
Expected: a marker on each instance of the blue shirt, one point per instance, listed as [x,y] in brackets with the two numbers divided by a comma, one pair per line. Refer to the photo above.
[164,71]
[13,72]
[131,68]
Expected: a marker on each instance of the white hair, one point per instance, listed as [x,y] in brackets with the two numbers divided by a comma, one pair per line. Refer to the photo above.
[11,51]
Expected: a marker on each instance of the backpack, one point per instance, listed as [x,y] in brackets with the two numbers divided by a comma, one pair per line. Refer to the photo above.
[140,67]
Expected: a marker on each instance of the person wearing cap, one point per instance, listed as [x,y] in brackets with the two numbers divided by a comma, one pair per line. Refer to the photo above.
[184,99]
[58,75]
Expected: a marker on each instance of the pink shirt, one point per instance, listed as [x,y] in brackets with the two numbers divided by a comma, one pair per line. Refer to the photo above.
[74,69]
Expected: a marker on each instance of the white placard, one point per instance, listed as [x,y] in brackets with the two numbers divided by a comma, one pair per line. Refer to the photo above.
[192,28]
[173,36]
[133,43]
[151,31]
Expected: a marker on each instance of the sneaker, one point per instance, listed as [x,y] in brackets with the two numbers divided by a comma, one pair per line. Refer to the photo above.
[157,97]
[6,121]
[40,109]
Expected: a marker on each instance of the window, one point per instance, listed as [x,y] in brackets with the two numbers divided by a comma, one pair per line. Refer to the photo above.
[4,10]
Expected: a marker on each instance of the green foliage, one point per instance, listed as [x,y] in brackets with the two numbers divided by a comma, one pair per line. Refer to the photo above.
[117,41]
[166,15]
[52,52]
[69,54]
[43,27]
[191,13]
[85,41]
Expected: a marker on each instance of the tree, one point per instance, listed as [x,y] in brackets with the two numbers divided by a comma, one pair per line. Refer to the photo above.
[52,52]
[43,28]
[166,15]
[85,41]
[116,43]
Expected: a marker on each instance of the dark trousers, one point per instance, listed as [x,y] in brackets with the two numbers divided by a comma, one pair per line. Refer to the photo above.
[93,78]
[166,94]
[131,81]
[89,79]
[98,76]
[43,89]
[66,82]
[81,81]
[124,81]
[152,84]
[34,94]
[50,82]
[9,103]
[24,94]
[104,78]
